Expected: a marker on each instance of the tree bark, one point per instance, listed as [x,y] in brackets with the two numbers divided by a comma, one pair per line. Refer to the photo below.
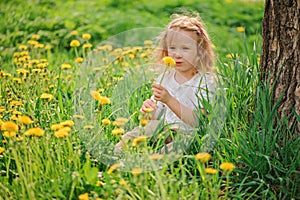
[280,63]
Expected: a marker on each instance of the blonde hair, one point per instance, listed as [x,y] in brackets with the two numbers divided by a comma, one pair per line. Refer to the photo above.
[206,55]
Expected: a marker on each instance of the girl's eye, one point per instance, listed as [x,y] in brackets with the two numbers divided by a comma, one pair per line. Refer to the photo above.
[171,47]
[186,48]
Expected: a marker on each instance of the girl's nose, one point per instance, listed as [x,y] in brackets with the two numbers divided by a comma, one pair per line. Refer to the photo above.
[177,54]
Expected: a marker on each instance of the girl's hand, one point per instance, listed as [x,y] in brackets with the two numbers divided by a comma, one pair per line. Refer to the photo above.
[160,93]
[148,104]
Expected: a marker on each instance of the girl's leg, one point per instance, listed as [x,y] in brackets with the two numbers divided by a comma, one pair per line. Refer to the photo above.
[148,130]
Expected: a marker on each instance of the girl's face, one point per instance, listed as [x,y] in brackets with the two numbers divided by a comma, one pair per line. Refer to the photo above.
[182,47]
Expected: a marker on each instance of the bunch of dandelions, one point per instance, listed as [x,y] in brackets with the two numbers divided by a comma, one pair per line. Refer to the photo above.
[169,62]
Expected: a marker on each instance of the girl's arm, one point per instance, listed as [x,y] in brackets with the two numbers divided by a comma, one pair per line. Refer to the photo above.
[184,113]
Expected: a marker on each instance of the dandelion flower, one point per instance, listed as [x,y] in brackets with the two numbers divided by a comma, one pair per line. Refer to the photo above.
[148,110]
[148,42]
[75,43]
[48,47]
[9,134]
[67,123]
[34,132]
[86,36]
[203,157]
[156,157]
[240,29]
[88,127]
[84,196]
[136,171]
[210,171]
[102,99]
[25,120]
[61,134]
[79,60]
[143,122]
[113,168]
[106,121]
[77,116]
[118,131]
[9,126]
[123,182]
[138,140]
[66,66]
[229,56]
[47,96]
[121,121]
[1,150]
[35,36]
[87,46]
[169,61]
[22,48]
[74,32]
[227,167]
[56,127]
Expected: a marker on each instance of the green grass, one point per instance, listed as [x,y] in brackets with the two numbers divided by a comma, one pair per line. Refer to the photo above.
[265,156]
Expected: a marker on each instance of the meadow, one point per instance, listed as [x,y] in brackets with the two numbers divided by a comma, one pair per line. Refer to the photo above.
[73,76]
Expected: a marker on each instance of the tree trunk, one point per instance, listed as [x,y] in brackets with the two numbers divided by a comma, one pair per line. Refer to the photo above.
[280,63]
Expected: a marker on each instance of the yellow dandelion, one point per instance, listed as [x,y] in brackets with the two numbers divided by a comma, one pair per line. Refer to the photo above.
[118,131]
[56,127]
[148,42]
[22,71]
[102,99]
[121,121]
[1,150]
[88,127]
[66,128]
[203,157]
[61,134]
[14,117]
[123,182]
[87,46]
[25,120]
[113,168]
[106,121]
[99,183]
[240,29]
[169,61]
[22,48]
[143,122]
[86,36]
[75,43]
[34,132]
[148,110]
[229,56]
[67,123]
[156,156]
[136,171]
[74,32]
[20,138]
[47,96]
[84,196]
[79,60]
[9,134]
[48,47]
[227,166]
[138,140]
[32,42]
[9,126]
[210,171]
[66,66]
[77,116]
[35,36]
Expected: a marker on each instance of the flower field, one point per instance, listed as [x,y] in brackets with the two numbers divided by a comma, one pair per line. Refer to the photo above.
[73,76]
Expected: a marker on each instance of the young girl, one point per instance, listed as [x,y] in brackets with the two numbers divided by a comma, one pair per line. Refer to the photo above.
[175,99]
